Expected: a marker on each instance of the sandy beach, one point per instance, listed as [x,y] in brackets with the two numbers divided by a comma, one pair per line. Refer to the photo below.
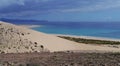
[55,43]
[85,37]
[26,40]
[59,33]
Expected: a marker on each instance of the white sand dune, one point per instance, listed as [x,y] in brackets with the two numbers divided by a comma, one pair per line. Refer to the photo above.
[16,39]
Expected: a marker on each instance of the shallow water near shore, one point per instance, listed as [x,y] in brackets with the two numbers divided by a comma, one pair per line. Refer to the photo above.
[95,29]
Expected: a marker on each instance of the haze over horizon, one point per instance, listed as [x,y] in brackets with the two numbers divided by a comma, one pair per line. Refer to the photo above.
[56,10]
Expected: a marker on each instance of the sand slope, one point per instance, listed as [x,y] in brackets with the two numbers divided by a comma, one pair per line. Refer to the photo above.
[16,39]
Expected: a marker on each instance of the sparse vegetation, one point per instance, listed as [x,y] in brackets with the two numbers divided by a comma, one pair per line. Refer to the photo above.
[2,52]
[35,45]
[60,59]
[90,41]
[22,34]
[42,46]
[28,33]
[15,39]
[9,47]
[27,47]
[35,42]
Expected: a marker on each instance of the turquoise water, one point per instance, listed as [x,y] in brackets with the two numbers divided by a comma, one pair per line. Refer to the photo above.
[97,29]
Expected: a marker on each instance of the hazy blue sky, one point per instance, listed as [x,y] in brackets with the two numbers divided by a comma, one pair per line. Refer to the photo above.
[61,10]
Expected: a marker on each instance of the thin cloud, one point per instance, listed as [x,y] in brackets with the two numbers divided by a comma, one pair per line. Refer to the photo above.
[95,7]
[31,7]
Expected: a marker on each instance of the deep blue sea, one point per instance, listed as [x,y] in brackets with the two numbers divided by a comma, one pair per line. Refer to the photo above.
[96,29]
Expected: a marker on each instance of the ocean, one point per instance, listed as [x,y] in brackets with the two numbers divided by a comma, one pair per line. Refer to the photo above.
[95,29]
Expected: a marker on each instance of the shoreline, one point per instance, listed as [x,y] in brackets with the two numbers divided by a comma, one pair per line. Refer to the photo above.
[30,26]
[50,42]
[75,36]
[88,37]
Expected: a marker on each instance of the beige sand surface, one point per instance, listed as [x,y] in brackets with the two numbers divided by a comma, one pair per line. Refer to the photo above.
[54,43]
[50,42]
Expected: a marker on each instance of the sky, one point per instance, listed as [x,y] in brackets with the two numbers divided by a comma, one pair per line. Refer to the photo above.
[61,10]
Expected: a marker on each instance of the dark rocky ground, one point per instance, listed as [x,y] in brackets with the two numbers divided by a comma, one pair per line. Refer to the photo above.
[60,59]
